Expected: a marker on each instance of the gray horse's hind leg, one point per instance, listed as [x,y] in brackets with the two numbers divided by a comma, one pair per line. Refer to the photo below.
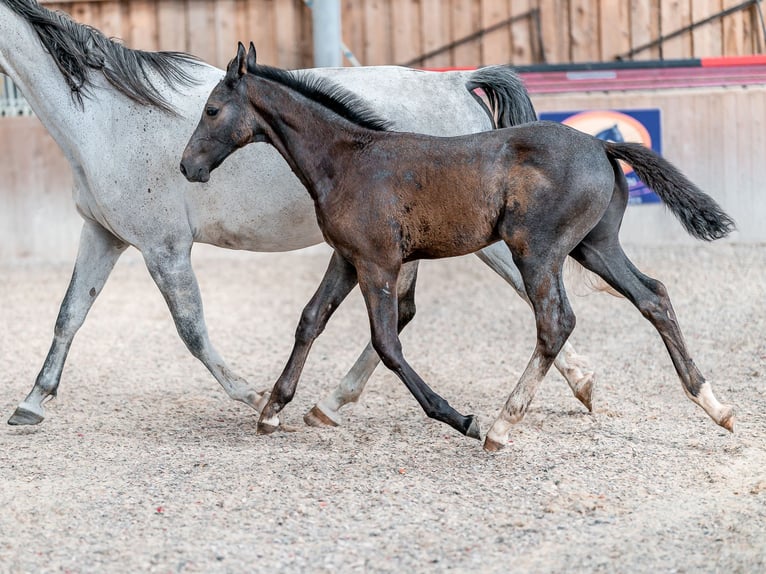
[326,412]
[573,367]
[171,269]
[97,254]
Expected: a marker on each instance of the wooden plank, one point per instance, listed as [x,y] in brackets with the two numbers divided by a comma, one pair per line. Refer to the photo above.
[141,32]
[707,39]
[378,49]
[224,15]
[112,21]
[465,21]
[554,21]
[84,13]
[495,46]
[522,33]
[287,26]
[645,27]
[584,30]
[142,25]
[352,26]
[260,29]
[436,24]
[200,33]
[172,26]
[674,15]
[615,29]
[733,42]
[406,37]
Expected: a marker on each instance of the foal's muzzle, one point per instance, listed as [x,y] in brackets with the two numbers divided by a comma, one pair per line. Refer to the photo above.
[199,174]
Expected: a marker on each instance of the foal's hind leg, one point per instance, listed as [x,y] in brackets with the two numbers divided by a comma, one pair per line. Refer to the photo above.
[338,281]
[96,256]
[377,285]
[604,255]
[555,322]
[574,368]
[325,412]
[170,267]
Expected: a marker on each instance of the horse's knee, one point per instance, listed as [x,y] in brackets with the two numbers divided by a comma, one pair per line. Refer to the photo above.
[308,327]
[554,332]
[389,350]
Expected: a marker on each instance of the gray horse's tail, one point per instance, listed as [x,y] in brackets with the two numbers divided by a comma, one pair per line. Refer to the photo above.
[699,213]
[509,103]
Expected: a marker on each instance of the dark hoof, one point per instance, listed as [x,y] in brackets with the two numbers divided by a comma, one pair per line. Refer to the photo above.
[263,428]
[492,445]
[473,428]
[317,418]
[24,416]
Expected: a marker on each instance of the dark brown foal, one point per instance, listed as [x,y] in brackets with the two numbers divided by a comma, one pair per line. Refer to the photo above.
[384,198]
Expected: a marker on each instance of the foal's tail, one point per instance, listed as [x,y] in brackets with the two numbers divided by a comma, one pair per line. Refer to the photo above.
[509,103]
[702,217]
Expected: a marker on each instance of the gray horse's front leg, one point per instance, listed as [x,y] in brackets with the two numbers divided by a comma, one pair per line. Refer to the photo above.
[171,269]
[97,254]
[574,368]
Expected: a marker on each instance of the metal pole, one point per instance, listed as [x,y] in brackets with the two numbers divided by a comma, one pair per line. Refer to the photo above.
[326,27]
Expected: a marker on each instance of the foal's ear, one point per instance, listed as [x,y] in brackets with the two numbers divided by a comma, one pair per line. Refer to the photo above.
[237,67]
[251,63]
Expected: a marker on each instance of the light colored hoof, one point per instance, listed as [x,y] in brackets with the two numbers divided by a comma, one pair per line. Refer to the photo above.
[317,418]
[727,419]
[24,415]
[584,392]
[266,428]
[474,431]
[491,445]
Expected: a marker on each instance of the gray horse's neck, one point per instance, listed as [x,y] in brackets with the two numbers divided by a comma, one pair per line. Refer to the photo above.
[23,59]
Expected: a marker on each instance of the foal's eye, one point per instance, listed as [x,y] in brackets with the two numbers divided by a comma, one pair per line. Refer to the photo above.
[212,112]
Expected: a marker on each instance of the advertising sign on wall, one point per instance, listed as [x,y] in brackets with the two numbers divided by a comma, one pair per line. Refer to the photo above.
[640,126]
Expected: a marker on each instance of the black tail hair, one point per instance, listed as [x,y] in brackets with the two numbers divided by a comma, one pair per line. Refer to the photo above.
[699,213]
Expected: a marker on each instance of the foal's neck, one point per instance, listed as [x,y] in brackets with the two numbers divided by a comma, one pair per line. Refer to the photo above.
[314,141]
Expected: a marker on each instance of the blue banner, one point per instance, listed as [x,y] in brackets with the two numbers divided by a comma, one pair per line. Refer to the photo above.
[640,126]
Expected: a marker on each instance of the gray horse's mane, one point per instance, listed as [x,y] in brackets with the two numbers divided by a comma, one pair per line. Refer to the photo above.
[78,50]
[327,93]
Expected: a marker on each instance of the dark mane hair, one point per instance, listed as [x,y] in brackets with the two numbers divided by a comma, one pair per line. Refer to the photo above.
[78,50]
[328,94]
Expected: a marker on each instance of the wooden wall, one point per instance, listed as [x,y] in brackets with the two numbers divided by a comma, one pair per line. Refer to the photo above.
[398,31]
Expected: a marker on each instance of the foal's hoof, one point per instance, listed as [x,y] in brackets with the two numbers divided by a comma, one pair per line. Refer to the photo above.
[316,417]
[25,416]
[584,392]
[473,428]
[266,428]
[491,445]
[727,419]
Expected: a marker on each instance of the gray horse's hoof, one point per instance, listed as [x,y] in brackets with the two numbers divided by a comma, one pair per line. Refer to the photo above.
[24,416]
[316,417]
[266,428]
[584,393]
[473,428]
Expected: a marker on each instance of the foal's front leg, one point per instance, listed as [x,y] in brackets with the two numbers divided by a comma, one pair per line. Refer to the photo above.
[378,287]
[338,281]
[326,412]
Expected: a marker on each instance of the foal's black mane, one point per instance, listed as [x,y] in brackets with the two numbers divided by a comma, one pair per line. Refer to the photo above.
[327,93]
[78,49]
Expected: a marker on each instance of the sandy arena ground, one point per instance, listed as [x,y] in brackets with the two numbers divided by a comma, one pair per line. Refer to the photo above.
[144,465]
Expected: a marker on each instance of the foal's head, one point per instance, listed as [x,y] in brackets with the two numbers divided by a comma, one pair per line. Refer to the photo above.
[227,123]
